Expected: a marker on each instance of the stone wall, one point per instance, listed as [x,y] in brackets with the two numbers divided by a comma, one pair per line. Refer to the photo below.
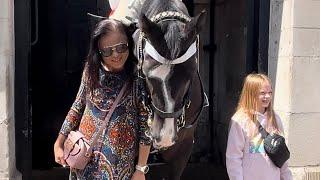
[7,141]
[294,63]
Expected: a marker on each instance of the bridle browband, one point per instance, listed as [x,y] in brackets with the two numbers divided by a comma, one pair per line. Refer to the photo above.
[170,15]
[163,16]
[167,16]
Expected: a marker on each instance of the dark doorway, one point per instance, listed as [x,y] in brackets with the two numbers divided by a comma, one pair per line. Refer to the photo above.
[241,33]
[53,37]
[60,36]
[22,89]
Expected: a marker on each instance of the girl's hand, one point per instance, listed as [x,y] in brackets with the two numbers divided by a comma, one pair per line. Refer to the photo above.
[138,175]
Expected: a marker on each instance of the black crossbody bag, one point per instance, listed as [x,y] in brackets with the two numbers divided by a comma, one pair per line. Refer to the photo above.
[275,147]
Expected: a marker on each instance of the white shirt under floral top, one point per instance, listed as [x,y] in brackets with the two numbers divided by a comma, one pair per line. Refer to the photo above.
[246,158]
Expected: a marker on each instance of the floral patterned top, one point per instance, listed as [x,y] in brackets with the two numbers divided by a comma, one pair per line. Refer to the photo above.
[117,148]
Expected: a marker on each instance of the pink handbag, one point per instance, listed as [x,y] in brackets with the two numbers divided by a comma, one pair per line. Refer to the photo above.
[77,149]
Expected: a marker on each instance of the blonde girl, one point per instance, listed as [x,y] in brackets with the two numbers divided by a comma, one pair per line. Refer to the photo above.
[245,155]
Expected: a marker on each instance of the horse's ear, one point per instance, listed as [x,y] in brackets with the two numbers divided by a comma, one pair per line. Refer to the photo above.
[152,31]
[197,23]
[146,25]
[131,28]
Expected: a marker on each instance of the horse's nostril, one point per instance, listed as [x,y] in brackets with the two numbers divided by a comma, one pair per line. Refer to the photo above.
[157,139]
[156,146]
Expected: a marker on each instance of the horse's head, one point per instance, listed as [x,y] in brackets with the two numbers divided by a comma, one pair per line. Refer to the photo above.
[169,65]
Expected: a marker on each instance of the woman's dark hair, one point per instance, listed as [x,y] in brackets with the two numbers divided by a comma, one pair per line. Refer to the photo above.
[94,59]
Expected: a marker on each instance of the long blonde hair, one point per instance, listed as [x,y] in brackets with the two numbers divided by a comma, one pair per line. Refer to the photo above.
[248,102]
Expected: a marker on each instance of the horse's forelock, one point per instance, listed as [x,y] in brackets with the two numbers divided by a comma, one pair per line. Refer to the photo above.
[173,32]
[174,39]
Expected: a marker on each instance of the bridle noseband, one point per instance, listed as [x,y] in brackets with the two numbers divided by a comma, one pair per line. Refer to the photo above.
[164,114]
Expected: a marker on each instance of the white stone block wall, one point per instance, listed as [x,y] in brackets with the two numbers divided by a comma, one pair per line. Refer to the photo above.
[294,67]
[7,141]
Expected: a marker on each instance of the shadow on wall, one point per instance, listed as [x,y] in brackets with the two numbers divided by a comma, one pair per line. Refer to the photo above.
[276,14]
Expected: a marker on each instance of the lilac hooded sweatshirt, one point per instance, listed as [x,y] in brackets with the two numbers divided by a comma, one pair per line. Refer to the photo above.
[245,156]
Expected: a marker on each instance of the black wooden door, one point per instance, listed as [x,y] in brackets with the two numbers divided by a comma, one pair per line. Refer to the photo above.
[57,55]
[51,43]
[22,89]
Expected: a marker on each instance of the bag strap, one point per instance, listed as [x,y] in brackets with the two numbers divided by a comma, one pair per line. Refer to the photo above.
[108,116]
[262,131]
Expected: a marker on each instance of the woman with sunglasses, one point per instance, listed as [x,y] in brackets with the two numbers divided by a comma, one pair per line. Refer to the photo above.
[109,66]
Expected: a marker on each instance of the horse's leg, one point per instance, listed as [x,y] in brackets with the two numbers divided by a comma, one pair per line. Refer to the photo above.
[179,156]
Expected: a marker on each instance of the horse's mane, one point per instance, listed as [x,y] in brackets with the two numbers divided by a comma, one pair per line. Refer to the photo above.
[151,8]
[173,33]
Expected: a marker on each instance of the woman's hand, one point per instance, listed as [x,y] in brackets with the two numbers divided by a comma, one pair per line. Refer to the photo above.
[58,150]
[138,175]
[144,151]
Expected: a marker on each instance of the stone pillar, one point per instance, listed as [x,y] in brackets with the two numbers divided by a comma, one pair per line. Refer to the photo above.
[7,133]
[294,63]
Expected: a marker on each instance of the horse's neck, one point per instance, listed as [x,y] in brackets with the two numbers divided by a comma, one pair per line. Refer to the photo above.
[197,91]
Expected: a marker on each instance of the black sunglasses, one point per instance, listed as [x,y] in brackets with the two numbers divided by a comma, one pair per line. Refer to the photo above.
[120,48]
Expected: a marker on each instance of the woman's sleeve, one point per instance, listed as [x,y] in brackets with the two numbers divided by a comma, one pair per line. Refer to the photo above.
[74,115]
[142,115]
[234,153]
[143,126]
[285,173]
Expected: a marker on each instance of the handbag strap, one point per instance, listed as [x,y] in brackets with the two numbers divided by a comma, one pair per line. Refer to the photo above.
[108,116]
[262,131]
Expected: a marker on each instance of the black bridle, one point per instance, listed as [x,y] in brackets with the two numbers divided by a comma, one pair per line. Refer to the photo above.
[178,114]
